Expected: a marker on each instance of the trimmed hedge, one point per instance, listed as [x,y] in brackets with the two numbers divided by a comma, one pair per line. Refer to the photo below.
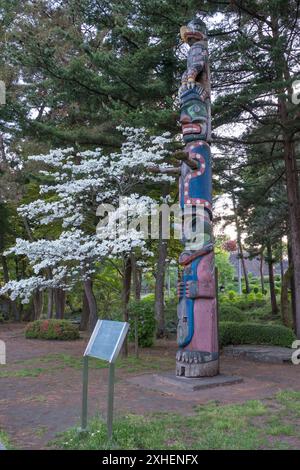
[52,329]
[259,313]
[228,312]
[254,333]
[250,301]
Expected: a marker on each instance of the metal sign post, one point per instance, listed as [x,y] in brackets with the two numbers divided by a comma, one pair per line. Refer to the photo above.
[85,378]
[110,402]
[105,343]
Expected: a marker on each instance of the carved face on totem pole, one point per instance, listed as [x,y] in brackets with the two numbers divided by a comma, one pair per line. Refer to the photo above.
[194,114]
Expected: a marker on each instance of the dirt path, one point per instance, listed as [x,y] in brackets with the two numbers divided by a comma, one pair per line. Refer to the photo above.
[34,408]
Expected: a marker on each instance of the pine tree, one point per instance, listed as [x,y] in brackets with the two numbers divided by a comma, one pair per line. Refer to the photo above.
[261,62]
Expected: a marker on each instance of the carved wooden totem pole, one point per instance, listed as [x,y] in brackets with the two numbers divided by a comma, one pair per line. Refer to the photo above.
[197,332]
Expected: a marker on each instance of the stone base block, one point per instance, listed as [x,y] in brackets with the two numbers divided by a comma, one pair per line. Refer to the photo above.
[194,370]
[168,383]
[196,363]
[260,353]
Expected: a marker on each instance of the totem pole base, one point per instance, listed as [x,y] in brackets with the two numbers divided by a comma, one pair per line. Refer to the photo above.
[193,364]
[170,384]
[206,369]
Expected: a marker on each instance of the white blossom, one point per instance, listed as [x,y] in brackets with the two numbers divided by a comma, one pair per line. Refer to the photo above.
[79,182]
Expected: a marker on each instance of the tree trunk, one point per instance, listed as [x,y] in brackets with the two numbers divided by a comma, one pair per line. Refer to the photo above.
[60,303]
[50,303]
[290,161]
[160,287]
[84,321]
[292,284]
[136,337]
[239,274]
[91,299]
[126,296]
[63,302]
[239,243]
[136,278]
[137,295]
[138,287]
[29,312]
[168,281]
[38,303]
[284,300]
[261,271]
[13,310]
[3,158]
[281,263]
[56,303]
[271,280]
[17,306]
[247,285]
[292,182]
[5,269]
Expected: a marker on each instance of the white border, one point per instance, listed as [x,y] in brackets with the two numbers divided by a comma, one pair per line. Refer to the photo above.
[92,338]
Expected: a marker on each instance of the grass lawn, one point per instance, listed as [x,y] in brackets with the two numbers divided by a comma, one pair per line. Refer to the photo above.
[47,380]
[52,362]
[271,424]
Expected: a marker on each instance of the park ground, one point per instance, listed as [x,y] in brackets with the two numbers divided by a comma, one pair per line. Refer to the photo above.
[40,400]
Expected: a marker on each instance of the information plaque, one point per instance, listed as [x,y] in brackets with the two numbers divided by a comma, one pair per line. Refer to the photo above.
[106,340]
[105,343]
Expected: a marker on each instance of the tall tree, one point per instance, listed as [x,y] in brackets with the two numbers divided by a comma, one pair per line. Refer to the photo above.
[257,90]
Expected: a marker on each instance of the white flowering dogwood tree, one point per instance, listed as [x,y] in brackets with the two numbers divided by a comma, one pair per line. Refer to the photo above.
[78,182]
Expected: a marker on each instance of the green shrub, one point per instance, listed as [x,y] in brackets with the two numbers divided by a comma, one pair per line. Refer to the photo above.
[171,308]
[229,312]
[231,295]
[171,318]
[143,310]
[243,302]
[231,287]
[149,297]
[52,329]
[251,297]
[260,296]
[253,333]
[250,301]
[255,290]
[260,312]
[223,298]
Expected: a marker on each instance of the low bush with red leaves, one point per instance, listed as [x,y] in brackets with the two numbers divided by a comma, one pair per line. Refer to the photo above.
[52,329]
